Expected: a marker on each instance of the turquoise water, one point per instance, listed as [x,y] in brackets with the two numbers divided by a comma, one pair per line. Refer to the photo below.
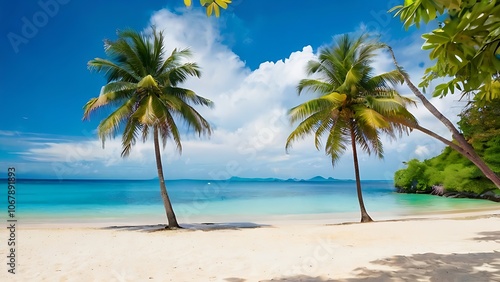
[70,200]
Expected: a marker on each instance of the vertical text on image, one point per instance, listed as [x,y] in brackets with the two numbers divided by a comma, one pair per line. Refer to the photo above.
[11,219]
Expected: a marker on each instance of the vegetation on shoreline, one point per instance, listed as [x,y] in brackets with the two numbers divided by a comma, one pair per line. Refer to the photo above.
[450,171]
[465,47]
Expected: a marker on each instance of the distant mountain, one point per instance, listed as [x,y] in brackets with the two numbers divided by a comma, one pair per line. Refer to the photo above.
[321,179]
[242,179]
[314,179]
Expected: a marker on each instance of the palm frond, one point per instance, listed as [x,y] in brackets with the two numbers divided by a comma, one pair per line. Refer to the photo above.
[106,99]
[195,120]
[351,80]
[306,127]
[109,125]
[314,85]
[137,50]
[368,138]
[336,143]
[186,95]
[324,103]
[383,105]
[112,71]
[366,51]
[169,129]
[118,86]
[158,51]
[145,133]
[370,117]
[125,52]
[393,77]
[331,68]
[174,60]
[326,123]
[405,101]
[129,137]
[179,74]
[312,67]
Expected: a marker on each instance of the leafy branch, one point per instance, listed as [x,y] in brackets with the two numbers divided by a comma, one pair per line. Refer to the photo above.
[465,47]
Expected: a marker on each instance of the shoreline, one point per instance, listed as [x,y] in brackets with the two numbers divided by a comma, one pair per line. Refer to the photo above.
[294,219]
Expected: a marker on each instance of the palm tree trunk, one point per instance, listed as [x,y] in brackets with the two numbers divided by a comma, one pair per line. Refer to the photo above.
[364,214]
[172,220]
[466,149]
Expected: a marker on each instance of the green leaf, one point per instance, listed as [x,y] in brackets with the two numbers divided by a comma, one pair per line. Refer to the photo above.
[206,3]
[209,10]
[437,37]
[221,3]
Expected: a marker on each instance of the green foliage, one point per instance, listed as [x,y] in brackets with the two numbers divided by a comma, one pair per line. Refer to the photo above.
[465,47]
[450,170]
[477,123]
[143,91]
[481,127]
[456,177]
[413,178]
[492,153]
[351,100]
[213,6]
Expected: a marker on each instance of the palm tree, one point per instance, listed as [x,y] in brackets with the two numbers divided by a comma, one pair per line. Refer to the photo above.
[143,91]
[354,106]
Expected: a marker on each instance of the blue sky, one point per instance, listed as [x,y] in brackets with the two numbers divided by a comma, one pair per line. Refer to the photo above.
[252,58]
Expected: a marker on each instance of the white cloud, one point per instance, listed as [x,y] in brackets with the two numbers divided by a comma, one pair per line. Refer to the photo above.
[249,120]
[422,151]
[7,133]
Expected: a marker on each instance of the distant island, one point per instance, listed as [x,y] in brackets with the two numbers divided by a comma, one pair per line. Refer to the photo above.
[314,179]
[232,179]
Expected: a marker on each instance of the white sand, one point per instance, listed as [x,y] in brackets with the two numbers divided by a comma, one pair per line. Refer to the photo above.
[455,248]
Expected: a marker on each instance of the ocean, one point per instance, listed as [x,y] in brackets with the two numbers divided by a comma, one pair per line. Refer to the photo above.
[195,201]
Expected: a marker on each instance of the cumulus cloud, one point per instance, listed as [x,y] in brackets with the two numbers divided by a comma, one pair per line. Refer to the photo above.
[249,120]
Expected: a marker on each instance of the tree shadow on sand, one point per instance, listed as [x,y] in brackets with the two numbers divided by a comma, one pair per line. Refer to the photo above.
[209,226]
[477,267]
[435,267]
[432,267]
[489,236]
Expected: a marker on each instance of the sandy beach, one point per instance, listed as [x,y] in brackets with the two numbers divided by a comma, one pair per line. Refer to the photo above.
[452,247]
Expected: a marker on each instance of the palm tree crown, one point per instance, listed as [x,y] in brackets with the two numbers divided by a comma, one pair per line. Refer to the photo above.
[350,96]
[143,89]
[354,106]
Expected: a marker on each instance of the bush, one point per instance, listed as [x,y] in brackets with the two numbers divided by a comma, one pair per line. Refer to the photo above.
[480,126]
[412,179]
[449,169]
